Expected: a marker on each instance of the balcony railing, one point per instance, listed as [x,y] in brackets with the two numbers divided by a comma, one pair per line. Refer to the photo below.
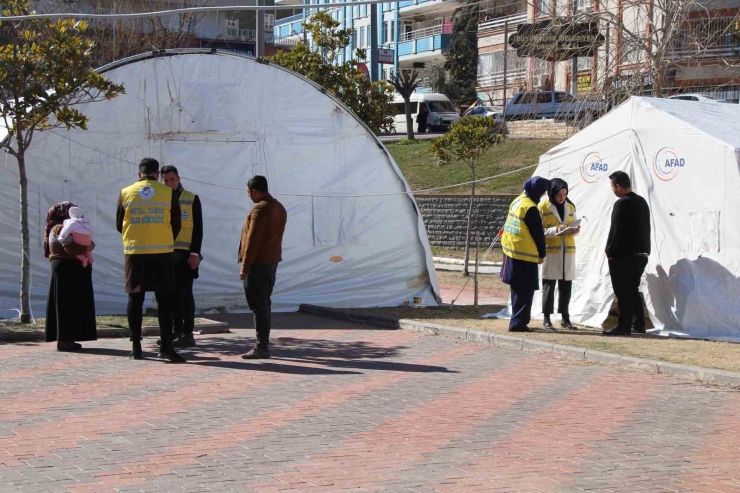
[497,78]
[705,53]
[500,22]
[420,33]
[280,41]
[431,43]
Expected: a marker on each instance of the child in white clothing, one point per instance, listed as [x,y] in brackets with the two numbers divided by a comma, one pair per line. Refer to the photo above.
[79,229]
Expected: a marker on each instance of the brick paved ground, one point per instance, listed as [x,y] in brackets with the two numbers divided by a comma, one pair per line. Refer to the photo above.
[343,407]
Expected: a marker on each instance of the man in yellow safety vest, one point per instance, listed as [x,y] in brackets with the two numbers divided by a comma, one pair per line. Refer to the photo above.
[524,248]
[187,256]
[148,218]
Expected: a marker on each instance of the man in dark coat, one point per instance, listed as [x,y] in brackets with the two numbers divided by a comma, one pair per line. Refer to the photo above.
[627,250]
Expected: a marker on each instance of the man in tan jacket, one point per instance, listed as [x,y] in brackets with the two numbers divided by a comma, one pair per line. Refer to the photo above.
[260,250]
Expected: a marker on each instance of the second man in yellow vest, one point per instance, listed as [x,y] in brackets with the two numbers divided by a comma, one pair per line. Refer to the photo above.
[523,245]
[187,256]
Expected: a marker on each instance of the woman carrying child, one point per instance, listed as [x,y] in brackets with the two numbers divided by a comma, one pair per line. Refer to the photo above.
[70,309]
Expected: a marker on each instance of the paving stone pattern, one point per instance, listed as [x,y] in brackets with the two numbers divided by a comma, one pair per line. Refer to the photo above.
[446,218]
[347,407]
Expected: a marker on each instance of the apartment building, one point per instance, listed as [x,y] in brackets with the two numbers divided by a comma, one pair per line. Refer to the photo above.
[691,47]
[417,32]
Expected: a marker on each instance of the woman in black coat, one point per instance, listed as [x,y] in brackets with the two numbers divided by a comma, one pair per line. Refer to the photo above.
[70,308]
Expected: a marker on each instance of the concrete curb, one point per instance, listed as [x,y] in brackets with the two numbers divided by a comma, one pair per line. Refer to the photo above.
[211,327]
[699,374]
[471,263]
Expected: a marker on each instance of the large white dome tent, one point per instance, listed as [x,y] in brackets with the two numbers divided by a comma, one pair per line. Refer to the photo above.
[684,159]
[354,237]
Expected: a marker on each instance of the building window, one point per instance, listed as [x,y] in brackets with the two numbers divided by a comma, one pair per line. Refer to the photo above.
[388,32]
[491,68]
[362,37]
[232,28]
[584,5]
[269,21]
[585,63]
[544,7]
[541,67]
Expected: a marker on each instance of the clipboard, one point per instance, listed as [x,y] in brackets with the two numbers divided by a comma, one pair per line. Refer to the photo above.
[571,227]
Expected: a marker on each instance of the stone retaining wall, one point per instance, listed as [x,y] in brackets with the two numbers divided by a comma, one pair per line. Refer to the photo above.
[445,218]
[540,129]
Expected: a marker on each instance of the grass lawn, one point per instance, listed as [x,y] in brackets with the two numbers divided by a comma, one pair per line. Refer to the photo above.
[117,321]
[420,168]
[491,282]
[719,355]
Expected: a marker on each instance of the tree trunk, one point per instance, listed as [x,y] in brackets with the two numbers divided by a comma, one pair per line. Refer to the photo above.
[466,271]
[25,241]
[409,121]
[475,282]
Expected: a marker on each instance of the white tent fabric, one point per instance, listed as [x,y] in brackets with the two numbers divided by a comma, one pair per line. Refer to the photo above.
[354,238]
[684,159]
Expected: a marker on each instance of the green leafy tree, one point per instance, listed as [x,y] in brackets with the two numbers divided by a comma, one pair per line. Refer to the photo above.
[370,101]
[462,57]
[406,82]
[467,140]
[44,73]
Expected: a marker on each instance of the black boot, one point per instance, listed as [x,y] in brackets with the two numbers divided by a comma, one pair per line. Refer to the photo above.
[184,341]
[136,352]
[548,323]
[167,352]
[565,322]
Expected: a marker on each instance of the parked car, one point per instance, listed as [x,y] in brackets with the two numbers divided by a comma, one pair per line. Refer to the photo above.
[551,104]
[490,111]
[699,97]
[441,112]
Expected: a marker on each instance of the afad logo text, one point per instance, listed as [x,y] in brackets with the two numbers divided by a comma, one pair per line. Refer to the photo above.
[593,168]
[667,164]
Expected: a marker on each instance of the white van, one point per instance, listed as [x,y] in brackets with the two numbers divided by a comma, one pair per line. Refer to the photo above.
[441,112]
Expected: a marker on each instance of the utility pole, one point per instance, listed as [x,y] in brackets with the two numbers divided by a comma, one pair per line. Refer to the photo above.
[305,34]
[259,46]
[374,42]
[574,60]
[506,61]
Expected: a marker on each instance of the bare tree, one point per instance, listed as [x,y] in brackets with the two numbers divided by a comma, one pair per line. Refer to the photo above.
[120,38]
[654,47]
[406,82]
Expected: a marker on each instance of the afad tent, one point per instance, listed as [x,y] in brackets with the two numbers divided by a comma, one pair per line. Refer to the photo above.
[354,238]
[684,159]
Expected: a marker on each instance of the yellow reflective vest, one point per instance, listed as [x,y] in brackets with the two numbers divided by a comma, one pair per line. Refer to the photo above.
[185,237]
[550,220]
[516,241]
[146,222]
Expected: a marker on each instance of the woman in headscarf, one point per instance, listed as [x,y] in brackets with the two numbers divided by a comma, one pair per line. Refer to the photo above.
[70,308]
[558,212]
[523,244]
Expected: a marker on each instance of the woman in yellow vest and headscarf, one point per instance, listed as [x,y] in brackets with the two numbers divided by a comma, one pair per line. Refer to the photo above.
[523,244]
[558,212]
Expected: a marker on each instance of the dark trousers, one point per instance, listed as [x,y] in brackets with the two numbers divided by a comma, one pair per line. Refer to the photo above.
[421,125]
[184,306]
[165,300]
[626,273]
[548,296]
[258,289]
[521,307]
